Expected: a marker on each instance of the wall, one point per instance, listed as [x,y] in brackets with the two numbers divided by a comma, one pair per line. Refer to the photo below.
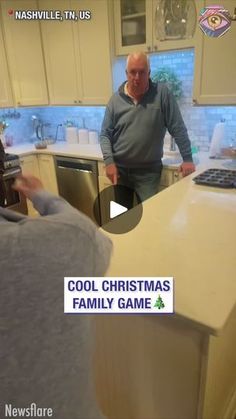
[200,121]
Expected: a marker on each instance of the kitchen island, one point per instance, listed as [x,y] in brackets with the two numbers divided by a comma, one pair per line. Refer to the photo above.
[180,366]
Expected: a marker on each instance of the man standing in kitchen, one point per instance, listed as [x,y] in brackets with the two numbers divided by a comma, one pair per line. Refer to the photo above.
[133,130]
[46,355]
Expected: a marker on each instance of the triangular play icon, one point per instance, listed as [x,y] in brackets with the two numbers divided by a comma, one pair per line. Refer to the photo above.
[116,209]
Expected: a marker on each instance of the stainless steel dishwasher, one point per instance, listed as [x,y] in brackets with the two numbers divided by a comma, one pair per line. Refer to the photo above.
[78,183]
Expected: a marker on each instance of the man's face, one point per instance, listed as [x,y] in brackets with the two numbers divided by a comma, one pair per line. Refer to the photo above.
[137,75]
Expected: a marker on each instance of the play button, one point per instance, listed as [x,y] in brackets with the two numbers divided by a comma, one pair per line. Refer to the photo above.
[118,209]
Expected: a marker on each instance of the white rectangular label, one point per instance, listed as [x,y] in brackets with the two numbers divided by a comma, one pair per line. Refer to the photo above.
[153,295]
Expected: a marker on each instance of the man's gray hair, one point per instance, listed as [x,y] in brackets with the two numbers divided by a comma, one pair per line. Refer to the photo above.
[137,55]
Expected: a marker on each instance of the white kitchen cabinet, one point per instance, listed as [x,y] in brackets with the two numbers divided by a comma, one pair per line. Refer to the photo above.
[29,165]
[168,177]
[62,57]
[6,99]
[47,173]
[215,65]
[41,166]
[135,28]
[95,51]
[77,54]
[24,55]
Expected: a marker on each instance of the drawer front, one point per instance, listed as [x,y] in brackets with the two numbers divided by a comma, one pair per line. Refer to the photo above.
[166,177]
[101,169]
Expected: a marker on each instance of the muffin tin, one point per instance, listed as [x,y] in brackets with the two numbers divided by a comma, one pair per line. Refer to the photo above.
[220,178]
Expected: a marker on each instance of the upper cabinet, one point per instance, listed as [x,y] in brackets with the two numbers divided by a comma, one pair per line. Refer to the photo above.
[62,57]
[24,54]
[154,25]
[95,51]
[215,65]
[57,62]
[6,99]
[77,53]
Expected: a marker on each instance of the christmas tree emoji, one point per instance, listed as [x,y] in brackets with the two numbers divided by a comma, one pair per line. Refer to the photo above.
[159,303]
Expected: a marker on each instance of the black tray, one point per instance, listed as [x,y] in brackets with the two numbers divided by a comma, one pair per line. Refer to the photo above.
[221,178]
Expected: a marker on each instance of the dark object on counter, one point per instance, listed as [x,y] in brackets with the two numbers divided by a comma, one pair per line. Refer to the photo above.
[2,157]
[2,187]
[220,178]
[10,168]
[41,145]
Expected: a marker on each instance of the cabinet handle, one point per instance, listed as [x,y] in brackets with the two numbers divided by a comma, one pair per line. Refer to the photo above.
[75,101]
[80,101]
[195,101]
[149,49]
[155,48]
[18,103]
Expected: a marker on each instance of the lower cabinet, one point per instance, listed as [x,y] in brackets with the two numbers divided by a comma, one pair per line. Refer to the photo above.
[168,177]
[29,165]
[47,172]
[41,166]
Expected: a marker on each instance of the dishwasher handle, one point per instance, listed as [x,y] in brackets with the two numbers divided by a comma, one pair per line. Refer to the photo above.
[75,165]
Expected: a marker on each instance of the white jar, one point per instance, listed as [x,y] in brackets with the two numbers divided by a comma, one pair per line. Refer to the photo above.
[83,136]
[71,135]
[93,137]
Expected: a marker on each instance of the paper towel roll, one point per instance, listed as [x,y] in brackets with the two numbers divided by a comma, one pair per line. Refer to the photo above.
[83,136]
[71,135]
[217,140]
[93,137]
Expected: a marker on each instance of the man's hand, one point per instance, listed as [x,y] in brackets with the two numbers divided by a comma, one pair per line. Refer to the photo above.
[28,185]
[187,168]
[112,173]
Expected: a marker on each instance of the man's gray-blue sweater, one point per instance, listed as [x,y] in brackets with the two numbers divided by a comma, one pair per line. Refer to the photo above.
[132,135]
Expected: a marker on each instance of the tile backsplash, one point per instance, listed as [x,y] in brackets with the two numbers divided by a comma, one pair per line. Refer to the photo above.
[200,121]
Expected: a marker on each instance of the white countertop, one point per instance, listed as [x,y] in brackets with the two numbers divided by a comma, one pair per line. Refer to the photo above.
[86,151]
[187,231]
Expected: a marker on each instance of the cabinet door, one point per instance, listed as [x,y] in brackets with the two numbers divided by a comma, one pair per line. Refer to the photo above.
[173,44]
[29,165]
[47,173]
[6,99]
[94,46]
[133,26]
[215,64]
[62,58]
[24,53]
[168,177]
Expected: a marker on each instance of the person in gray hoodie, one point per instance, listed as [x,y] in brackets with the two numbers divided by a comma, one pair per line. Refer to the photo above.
[45,355]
